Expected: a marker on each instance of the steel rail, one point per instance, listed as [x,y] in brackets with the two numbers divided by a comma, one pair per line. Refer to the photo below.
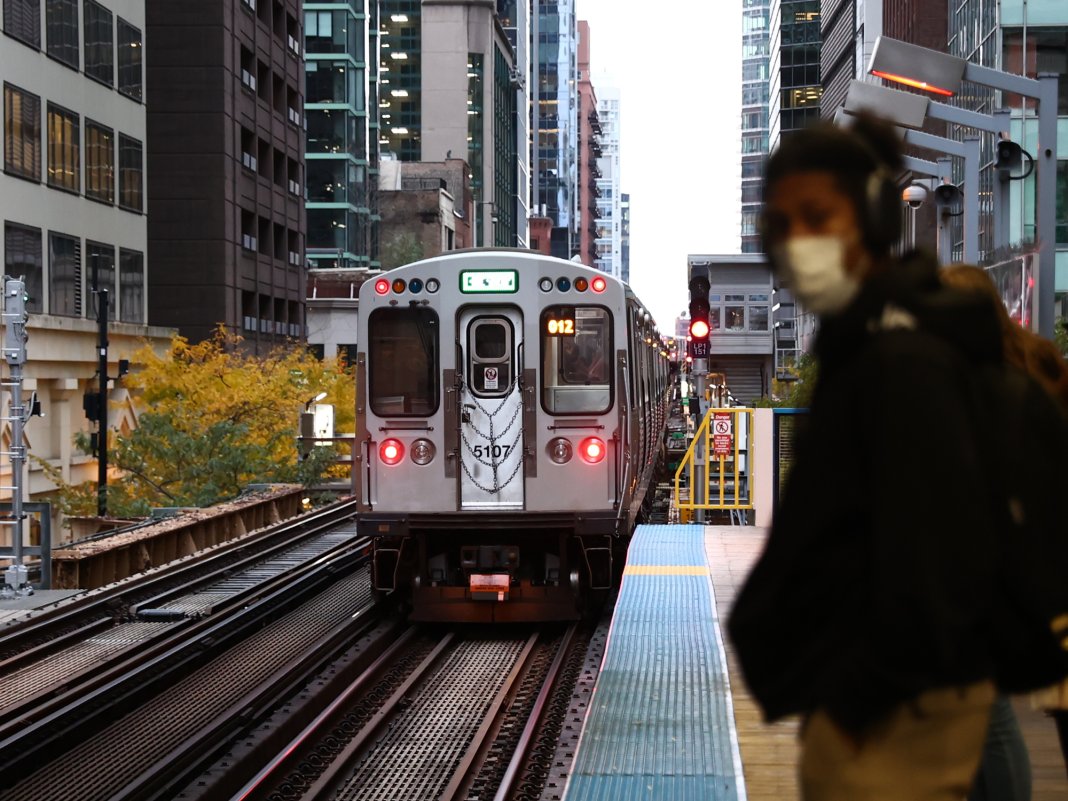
[534,722]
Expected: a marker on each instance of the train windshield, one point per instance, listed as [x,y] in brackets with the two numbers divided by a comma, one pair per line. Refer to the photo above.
[576,360]
[403,362]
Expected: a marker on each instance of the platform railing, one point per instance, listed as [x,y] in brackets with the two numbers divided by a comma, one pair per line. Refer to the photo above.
[718,463]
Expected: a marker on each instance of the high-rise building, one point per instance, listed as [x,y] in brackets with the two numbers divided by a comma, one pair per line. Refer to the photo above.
[609,242]
[794,67]
[555,103]
[624,240]
[515,18]
[341,99]
[589,152]
[400,79]
[225,150]
[755,40]
[450,88]
[72,191]
[849,29]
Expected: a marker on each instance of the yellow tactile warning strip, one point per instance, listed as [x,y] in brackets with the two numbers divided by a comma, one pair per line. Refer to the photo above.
[665,570]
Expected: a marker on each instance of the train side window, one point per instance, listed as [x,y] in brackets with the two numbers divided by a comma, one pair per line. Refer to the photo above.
[576,346]
[402,362]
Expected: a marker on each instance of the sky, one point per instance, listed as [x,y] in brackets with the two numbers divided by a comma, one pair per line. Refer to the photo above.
[679,75]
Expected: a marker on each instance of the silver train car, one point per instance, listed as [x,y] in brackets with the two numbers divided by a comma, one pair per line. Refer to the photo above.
[510,414]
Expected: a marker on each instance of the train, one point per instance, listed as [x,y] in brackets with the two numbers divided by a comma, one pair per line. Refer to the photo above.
[509,422]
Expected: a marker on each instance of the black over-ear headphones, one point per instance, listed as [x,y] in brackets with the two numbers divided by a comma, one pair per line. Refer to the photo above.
[881,215]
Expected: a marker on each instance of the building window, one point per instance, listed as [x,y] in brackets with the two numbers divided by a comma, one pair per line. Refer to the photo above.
[22,133]
[99,43]
[22,259]
[129,60]
[22,19]
[131,286]
[130,174]
[64,133]
[99,162]
[101,262]
[61,21]
[65,275]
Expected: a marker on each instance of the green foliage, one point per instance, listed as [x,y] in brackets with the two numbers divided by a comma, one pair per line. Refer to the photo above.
[213,419]
[796,394]
[1060,336]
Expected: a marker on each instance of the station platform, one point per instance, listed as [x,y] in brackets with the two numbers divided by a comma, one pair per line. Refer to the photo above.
[670,717]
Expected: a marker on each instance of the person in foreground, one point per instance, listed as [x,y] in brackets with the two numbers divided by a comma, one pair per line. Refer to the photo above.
[868,611]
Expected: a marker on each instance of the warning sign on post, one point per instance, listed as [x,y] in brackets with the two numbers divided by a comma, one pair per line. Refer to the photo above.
[722,434]
[491,377]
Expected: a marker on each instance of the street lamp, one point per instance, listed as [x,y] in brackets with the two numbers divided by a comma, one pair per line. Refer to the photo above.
[943,74]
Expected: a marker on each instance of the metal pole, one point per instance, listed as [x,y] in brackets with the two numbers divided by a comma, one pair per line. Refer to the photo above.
[1046,206]
[102,435]
[971,200]
[14,337]
[1002,199]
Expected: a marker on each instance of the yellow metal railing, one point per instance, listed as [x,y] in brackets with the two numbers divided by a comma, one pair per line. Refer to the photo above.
[726,459]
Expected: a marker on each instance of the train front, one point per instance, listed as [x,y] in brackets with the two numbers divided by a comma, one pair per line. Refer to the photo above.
[491,434]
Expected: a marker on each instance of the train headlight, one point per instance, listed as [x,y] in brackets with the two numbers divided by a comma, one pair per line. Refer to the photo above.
[433,285]
[560,450]
[391,451]
[422,451]
[592,450]
[545,284]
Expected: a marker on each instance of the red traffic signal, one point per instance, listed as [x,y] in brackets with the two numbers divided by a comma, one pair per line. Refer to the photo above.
[699,329]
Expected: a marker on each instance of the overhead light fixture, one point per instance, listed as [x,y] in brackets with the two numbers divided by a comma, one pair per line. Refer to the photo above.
[904,108]
[918,67]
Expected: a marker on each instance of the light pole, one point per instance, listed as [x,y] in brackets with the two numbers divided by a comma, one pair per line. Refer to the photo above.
[942,74]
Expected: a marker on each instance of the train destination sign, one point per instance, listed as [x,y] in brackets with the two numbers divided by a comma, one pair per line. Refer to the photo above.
[481,282]
[560,321]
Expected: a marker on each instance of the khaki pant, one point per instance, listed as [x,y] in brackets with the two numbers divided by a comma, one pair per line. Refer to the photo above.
[926,750]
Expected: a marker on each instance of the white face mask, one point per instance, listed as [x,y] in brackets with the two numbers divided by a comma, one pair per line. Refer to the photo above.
[814,270]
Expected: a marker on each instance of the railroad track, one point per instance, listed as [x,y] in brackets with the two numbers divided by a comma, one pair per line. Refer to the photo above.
[437,716]
[203,693]
[25,641]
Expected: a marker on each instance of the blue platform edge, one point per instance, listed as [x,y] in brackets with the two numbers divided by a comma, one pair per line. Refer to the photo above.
[661,721]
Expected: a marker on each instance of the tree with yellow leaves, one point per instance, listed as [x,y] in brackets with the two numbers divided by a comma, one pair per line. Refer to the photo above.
[213,418]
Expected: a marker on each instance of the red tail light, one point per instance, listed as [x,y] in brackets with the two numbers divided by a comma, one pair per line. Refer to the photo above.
[391,451]
[598,284]
[381,286]
[592,450]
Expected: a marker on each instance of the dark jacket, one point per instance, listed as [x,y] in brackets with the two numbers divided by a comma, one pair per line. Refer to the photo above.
[875,582]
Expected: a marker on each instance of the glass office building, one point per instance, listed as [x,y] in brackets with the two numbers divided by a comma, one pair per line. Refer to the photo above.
[794,67]
[341,174]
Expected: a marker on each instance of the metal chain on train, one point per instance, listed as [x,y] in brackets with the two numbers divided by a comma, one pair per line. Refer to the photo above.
[492,438]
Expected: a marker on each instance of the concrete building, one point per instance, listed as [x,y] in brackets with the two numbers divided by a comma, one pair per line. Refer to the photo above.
[72,205]
[452,88]
[741,341]
[755,99]
[589,153]
[610,202]
[226,232]
[555,145]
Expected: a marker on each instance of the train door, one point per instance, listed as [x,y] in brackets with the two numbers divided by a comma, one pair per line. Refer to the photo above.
[491,408]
